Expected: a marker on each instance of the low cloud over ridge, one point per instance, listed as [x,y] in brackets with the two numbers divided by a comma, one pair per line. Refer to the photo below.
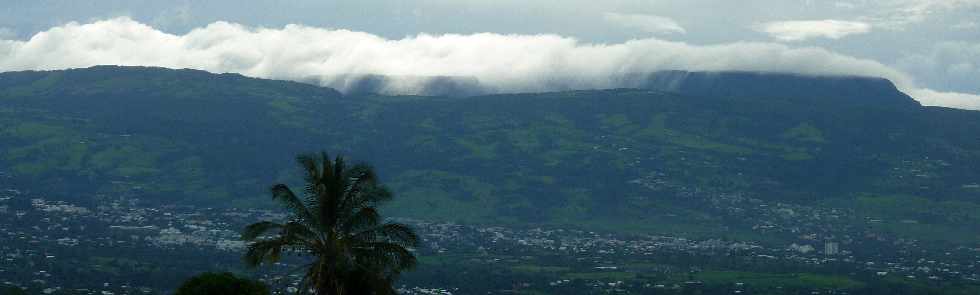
[505,63]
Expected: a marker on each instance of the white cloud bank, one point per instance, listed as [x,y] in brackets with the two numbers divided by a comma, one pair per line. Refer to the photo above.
[801,30]
[930,97]
[950,65]
[507,63]
[648,23]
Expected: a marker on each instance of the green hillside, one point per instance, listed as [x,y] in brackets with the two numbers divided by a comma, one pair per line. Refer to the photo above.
[615,159]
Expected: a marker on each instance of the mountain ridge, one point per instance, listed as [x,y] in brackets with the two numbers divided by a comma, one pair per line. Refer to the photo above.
[747,84]
[591,158]
[743,84]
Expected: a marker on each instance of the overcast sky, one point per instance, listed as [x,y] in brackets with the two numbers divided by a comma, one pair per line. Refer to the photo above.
[931,48]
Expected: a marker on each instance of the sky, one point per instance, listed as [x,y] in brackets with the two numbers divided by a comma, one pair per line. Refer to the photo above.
[928,48]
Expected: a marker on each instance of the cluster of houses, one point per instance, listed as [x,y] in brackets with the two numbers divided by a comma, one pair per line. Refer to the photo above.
[33,229]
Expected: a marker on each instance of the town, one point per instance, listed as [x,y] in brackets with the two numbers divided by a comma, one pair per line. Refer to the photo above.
[61,247]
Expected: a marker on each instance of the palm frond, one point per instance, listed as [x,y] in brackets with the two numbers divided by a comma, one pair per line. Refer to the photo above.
[389,232]
[309,164]
[298,233]
[360,220]
[291,236]
[312,176]
[363,195]
[373,195]
[288,199]
[257,229]
[362,174]
[264,251]
[389,256]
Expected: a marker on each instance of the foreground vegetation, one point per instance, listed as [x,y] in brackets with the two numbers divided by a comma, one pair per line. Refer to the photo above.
[221,283]
[336,222]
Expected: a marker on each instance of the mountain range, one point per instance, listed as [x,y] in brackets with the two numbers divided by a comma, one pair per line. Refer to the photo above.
[630,159]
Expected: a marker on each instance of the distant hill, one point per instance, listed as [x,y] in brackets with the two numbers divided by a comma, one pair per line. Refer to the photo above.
[852,90]
[599,158]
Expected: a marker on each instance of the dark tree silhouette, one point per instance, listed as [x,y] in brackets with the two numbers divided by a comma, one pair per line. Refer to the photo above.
[11,290]
[337,223]
[221,283]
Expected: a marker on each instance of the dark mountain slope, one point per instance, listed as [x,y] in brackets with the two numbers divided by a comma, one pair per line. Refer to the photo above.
[850,90]
[629,158]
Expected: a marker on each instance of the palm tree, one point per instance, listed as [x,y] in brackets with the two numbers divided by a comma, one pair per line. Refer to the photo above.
[336,223]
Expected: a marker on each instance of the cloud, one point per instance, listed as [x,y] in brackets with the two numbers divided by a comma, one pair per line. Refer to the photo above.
[648,23]
[809,29]
[899,14]
[966,25]
[951,65]
[505,63]
[177,16]
[844,5]
[7,33]
[931,97]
